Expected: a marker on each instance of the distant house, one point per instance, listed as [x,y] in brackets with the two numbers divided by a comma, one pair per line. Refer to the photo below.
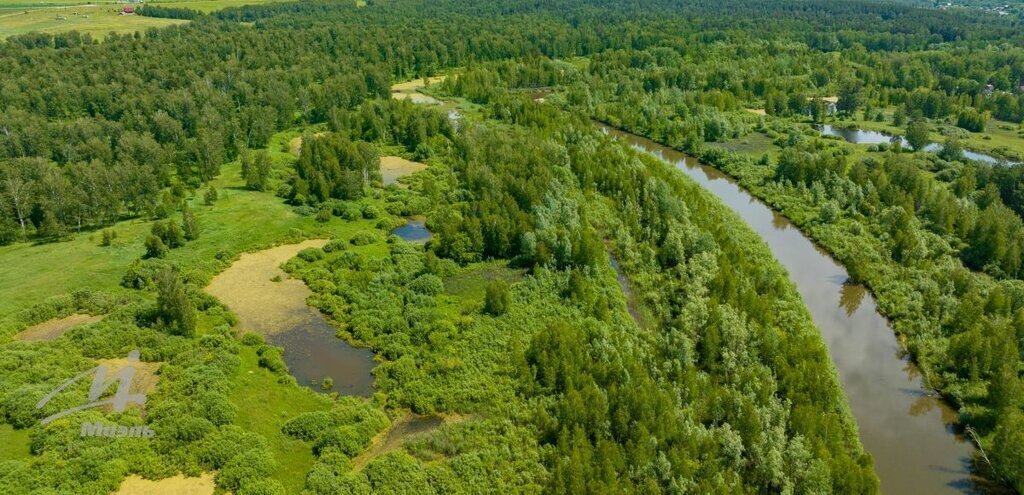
[127,10]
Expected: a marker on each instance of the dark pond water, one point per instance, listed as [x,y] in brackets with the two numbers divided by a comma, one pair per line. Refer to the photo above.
[859,136]
[413,231]
[313,352]
[906,429]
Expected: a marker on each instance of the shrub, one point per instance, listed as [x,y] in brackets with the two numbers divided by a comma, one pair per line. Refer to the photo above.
[427,284]
[252,339]
[174,309]
[155,247]
[363,238]
[370,212]
[247,467]
[169,232]
[497,299]
[305,210]
[312,254]
[351,212]
[347,439]
[210,197]
[189,225]
[308,426]
[335,245]
[108,238]
[270,358]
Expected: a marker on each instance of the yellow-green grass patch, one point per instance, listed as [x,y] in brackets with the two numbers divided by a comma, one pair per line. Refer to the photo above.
[175,485]
[53,329]
[14,444]
[393,168]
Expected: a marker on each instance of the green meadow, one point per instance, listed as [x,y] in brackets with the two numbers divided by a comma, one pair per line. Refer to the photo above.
[241,220]
[96,20]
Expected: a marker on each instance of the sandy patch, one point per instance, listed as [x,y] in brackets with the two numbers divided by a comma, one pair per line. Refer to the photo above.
[175,485]
[53,329]
[417,83]
[262,305]
[394,167]
[757,111]
[416,98]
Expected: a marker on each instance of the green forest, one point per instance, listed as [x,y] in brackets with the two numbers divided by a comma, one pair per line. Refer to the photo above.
[581,317]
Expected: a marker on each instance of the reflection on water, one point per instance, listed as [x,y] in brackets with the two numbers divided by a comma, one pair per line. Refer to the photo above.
[859,136]
[850,297]
[313,352]
[413,231]
[907,431]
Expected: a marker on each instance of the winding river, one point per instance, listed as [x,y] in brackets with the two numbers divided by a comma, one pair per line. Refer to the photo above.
[905,427]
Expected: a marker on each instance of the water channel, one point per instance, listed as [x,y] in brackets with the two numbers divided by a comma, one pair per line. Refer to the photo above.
[906,428]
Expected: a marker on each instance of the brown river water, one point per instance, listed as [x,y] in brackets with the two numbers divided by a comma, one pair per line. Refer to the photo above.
[905,427]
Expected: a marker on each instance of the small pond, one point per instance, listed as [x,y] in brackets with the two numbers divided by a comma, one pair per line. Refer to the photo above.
[415,230]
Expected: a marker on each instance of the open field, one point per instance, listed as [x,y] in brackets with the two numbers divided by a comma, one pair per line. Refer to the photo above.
[249,289]
[96,20]
[175,485]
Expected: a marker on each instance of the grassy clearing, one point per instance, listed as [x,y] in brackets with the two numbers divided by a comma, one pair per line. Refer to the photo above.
[471,282]
[264,405]
[754,145]
[14,444]
[96,20]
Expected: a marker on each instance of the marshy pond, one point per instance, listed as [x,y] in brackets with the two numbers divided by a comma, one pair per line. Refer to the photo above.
[860,136]
[270,303]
